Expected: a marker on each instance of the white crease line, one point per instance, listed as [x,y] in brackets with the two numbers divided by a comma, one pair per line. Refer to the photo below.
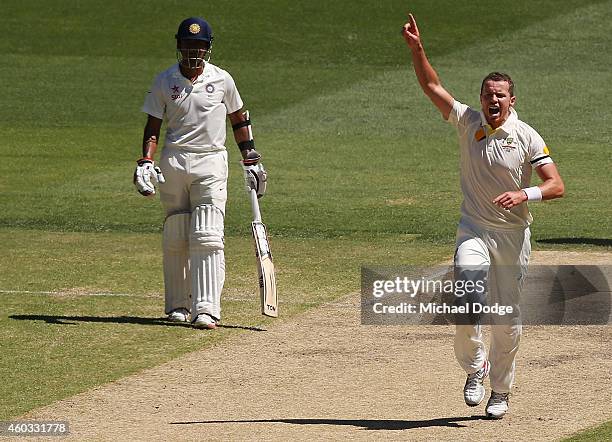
[154,295]
[30,292]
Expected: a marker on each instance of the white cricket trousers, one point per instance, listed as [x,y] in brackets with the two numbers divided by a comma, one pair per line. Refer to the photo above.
[506,256]
[194,197]
[193,179]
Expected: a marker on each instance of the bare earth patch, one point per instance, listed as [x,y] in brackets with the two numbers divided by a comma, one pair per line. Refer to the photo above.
[322,375]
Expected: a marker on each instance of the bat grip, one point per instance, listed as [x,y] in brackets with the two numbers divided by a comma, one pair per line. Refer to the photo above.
[255,206]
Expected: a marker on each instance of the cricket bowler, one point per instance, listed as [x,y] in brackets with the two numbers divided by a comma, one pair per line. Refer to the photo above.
[497,153]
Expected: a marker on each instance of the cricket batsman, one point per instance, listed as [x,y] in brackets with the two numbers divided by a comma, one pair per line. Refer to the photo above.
[498,154]
[194,97]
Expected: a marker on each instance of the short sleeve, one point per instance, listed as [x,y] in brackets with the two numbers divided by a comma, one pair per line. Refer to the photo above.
[538,151]
[232,99]
[154,104]
[457,114]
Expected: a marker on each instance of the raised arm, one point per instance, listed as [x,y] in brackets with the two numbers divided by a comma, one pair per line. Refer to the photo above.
[427,76]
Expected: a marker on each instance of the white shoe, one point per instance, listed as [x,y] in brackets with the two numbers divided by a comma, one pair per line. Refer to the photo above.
[178,315]
[204,321]
[474,390]
[497,405]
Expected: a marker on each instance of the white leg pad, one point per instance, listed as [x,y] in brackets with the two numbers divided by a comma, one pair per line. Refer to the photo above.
[177,275]
[207,260]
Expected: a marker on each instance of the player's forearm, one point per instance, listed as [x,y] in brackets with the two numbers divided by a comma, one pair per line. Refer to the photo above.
[149,146]
[426,74]
[429,81]
[552,185]
[242,135]
[150,137]
[241,125]
[552,188]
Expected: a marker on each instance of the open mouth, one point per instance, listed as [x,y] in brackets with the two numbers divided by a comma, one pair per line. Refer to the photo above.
[494,111]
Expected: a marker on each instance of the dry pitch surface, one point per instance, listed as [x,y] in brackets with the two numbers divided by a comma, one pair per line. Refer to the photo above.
[323,375]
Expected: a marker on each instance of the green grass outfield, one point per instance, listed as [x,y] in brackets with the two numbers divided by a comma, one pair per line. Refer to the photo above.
[362,168]
[600,433]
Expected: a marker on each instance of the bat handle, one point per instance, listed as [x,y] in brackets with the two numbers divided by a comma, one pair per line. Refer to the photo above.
[255,206]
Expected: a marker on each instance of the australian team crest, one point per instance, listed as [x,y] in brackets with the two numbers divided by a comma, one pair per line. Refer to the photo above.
[509,144]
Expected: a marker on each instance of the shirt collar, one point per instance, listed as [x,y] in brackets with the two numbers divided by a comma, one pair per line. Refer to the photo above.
[177,73]
[505,128]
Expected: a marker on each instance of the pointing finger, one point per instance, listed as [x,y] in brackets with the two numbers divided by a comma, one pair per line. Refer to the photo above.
[413,24]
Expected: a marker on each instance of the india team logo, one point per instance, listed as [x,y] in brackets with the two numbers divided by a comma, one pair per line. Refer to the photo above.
[210,88]
[194,28]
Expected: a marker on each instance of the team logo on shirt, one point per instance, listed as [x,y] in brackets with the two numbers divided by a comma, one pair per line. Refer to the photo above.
[210,88]
[508,144]
[175,92]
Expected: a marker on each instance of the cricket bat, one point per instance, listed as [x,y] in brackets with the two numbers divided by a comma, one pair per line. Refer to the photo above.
[265,266]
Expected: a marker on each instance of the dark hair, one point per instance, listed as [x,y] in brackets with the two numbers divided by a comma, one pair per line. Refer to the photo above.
[499,76]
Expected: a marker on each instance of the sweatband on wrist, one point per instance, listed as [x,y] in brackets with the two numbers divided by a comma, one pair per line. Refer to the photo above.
[246,145]
[533,193]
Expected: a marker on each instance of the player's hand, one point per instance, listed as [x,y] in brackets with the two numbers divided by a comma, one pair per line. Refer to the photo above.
[508,200]
[410,32]
[250,157]
[255,177]
[146,176]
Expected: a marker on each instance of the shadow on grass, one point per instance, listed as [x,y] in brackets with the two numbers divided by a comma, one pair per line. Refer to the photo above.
[72,320]
[365,424]
[604,242]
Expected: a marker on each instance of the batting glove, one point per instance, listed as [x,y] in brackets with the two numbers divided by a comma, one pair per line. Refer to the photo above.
[251,157]
[255,177]
[146,176]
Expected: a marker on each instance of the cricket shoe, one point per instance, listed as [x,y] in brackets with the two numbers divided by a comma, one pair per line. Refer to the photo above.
[178,315]
[474,390]
[204,321]
[497,405]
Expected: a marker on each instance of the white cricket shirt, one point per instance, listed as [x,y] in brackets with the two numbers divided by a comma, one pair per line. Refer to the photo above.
[494,162]
[195,112]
